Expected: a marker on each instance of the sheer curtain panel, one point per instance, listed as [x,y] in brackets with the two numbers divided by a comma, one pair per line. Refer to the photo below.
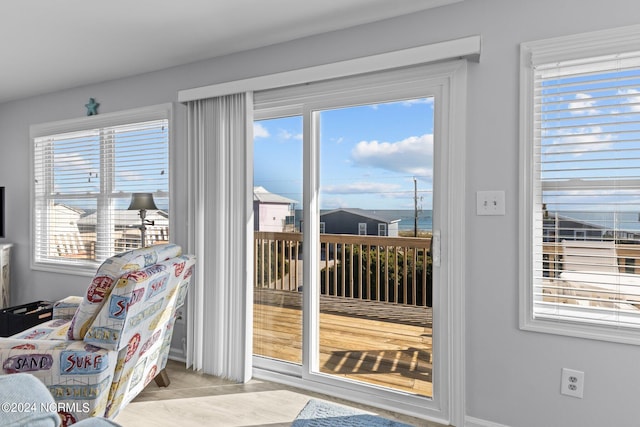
[220,214]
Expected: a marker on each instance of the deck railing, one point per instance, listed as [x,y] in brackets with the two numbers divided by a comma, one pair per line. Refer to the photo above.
[396,270]
[628,258]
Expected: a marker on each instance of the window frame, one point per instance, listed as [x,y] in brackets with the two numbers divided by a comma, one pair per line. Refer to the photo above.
[362,229]
[132,116]
[560,49]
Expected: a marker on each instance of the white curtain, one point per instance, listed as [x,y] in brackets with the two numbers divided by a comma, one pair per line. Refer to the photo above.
[220,215]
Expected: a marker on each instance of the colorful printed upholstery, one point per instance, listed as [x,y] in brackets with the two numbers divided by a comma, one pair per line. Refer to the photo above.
[125,323]
[77,374]
[107,276]
[66,308]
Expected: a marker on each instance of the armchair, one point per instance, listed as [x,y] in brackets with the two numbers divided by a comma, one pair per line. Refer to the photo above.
[117,340]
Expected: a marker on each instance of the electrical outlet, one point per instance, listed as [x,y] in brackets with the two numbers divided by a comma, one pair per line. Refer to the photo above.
[572,383]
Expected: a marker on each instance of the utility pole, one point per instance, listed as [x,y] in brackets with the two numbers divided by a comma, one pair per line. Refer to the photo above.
[415,207]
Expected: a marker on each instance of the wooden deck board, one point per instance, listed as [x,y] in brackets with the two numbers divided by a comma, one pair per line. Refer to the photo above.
[359,340]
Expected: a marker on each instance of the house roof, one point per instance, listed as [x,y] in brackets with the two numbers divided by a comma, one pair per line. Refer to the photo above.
[262,195]
[380,217]
[71,208]
[599,220]
[129,218]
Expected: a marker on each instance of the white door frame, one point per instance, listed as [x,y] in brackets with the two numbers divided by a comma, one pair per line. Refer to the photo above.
[447,81]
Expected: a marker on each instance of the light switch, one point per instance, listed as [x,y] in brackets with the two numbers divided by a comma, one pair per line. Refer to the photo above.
[490,203]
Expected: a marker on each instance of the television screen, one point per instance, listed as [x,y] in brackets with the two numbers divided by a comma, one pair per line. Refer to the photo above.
[1,211]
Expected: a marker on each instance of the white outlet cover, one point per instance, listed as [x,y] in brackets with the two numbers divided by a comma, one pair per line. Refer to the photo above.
[572,383]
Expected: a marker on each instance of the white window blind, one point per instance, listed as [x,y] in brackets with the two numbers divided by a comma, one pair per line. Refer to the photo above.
[83,181]
[586,190]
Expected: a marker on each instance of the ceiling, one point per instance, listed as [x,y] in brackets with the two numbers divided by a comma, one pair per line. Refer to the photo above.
[48,45]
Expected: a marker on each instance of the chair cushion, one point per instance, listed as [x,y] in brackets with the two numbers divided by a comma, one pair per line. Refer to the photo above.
[55,329]
[106,278]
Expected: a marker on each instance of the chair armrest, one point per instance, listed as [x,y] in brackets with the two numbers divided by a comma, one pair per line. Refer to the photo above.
[66,308]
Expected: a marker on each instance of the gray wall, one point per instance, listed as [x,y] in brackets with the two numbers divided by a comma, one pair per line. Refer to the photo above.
[512,377]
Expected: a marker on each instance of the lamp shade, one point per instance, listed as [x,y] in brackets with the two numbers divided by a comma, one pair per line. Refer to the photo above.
[140,201]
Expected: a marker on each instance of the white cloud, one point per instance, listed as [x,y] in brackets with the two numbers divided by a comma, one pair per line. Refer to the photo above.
[130,176]
[412,102]
[582,105]
[634,98]
[577,140]
[361,188]
[77,162]
[260,131]
[412,155]
[286,135]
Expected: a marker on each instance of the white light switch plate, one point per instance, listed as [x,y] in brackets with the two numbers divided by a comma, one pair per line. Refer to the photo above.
[490,203]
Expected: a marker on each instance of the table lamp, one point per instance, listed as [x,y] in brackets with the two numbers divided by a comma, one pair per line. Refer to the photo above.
[142,202]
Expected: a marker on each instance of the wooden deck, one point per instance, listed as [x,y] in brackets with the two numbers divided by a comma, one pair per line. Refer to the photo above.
[379,343]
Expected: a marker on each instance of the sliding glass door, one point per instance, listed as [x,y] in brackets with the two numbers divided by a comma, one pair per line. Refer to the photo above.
[277,203]
[374,273]
[352,280]
[371,277]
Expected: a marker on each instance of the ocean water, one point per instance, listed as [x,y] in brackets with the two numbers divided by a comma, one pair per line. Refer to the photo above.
[425,218]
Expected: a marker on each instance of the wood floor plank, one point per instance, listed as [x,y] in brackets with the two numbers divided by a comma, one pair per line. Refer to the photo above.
[358,340]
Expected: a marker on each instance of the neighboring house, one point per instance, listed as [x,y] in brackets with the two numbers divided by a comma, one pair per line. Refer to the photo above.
[65,218]
[127,228]
[359,222]
[272,212]
[125,220]
[560,227]
[65,238]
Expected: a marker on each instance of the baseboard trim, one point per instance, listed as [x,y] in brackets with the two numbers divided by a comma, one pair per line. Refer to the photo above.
[478,422]
[177,356]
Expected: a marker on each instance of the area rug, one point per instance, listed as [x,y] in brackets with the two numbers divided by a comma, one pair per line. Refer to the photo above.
[319,413]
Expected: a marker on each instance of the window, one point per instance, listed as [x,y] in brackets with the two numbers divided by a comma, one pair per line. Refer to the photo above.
[581,176]
[84,172]
[362,228]
[382,229]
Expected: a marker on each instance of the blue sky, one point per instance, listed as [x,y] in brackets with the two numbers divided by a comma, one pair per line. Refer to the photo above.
[368,158]
[590,132]
[77,164]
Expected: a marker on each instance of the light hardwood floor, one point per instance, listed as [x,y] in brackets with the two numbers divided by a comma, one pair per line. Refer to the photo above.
[196,399]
